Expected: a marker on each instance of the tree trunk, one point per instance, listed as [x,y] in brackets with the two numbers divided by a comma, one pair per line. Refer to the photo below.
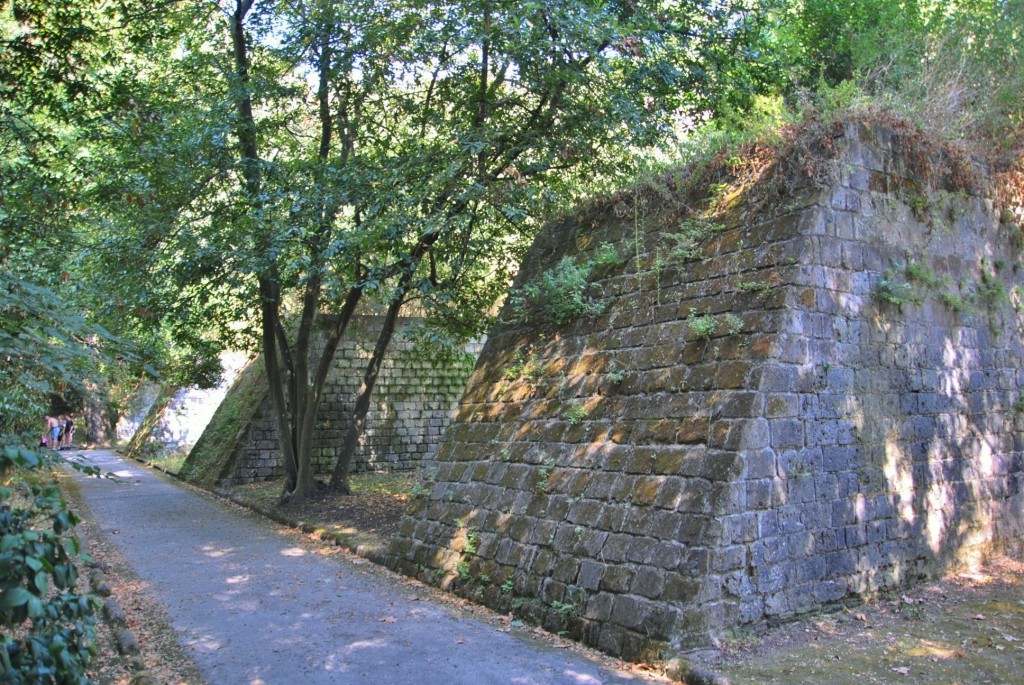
[269,286]
[303,425]
[357,424]
[308,375]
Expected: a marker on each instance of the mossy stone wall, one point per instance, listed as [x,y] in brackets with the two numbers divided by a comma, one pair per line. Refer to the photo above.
[825,402]
[415,395]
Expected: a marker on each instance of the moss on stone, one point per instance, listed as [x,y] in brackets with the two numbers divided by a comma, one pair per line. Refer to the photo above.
[139,444]
[214,454]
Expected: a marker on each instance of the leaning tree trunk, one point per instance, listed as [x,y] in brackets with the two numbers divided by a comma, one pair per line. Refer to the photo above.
[339,478]
[357,424]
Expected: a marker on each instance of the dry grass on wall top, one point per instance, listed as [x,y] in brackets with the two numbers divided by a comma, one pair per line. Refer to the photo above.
[762,174]
[213,454]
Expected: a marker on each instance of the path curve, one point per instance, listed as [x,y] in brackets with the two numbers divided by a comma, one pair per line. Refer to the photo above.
[255,607]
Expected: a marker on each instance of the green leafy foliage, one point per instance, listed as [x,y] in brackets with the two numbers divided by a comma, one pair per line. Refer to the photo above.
[702,325]
[895,290]
[616,377]
[560,294]
[830,41]
[46,349]
[385,154]
[47,626]
[733,323]
[544,473]
[683,243]
[574,413]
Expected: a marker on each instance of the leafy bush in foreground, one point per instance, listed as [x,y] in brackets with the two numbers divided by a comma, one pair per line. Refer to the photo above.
[46,626]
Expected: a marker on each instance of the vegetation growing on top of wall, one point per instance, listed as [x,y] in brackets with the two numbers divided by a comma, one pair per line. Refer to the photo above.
[214,452]
[763,162]
[560,294]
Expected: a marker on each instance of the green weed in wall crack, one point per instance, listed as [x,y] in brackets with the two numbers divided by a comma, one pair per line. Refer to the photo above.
[524,367]
[891,288]
[574,413]
[683,244]
[703,326]
[560,294]
[733,323]
[616,377]
[755,286]
[545,474]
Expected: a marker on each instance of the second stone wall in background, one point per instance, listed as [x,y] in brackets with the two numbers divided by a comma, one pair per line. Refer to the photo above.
[412,404]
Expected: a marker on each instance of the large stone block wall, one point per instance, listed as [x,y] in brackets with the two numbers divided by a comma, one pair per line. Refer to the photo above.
[825,403]
[174,418]
[413,401]
[140,401]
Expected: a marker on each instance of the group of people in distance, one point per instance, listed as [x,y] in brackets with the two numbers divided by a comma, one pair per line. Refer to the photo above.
[59,432]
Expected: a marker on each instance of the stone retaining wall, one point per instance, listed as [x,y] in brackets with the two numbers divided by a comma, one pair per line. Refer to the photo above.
[174,418]
[413,401]
[825,402]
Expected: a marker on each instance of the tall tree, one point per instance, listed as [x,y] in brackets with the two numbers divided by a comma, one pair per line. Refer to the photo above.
[396,150]
[440,126]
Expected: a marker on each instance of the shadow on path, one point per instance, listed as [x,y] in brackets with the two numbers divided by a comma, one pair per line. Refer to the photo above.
[254,606]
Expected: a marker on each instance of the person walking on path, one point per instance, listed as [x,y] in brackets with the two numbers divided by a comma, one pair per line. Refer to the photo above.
[254,603]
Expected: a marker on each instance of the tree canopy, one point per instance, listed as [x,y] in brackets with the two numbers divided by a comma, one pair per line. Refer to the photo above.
[197,175]
[297,159]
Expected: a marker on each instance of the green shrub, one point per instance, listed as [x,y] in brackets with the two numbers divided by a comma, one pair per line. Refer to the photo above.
[48,631]
[559,295]
[684,242]
[616,377]
[574,413]
[703,326]
[734,324]
[922,274]
[893,289]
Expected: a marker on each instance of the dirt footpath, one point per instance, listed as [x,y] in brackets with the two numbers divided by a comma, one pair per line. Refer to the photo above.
[255,604]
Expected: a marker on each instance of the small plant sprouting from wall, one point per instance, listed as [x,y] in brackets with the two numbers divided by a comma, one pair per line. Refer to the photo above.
[894,290]
[920,202]
[1018,408]
[559,295]
[991,290]
[470,544]
[545,474]
[898,285]
[525,367]
[683,244]
[800,469]
[919,273]
[733,323]
[954,302]
[574,412]
[703,325]
[680,247]
[914,282]
[573,606]
[755,287]
[616,377]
